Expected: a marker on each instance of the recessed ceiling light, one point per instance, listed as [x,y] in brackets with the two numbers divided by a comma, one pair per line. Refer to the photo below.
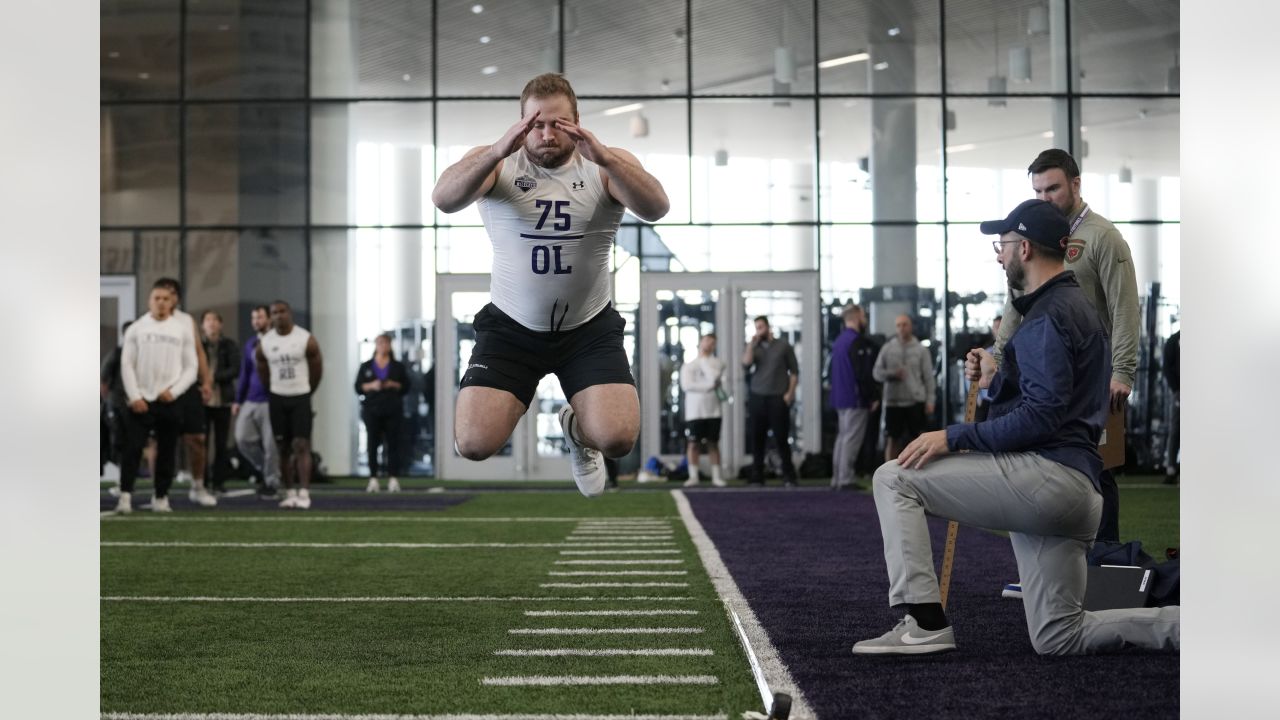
[484,39]
[489,69]
[895,32]
[144,76]
[406,77]
[882,65]
[113,54]
[477,8]
[623,109]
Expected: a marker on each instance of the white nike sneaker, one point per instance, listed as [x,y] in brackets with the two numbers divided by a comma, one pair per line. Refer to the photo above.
[373,486]
[718,481]
[290,499]
[124,505]
[907,638]
[587,463]
[160,505]
[691,482]
[304,500]
[393,485]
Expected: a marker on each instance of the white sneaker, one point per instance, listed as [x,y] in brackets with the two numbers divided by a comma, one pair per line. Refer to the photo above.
[587,463]
[125,505]
[184,477]
[372,486]
[718,481]
[114,491]
[393,485]
[290,499]
[202,497]
[160,504]
[304,500]
[691,482]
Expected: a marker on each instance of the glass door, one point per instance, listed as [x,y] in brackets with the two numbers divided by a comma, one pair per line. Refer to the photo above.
[536,449]
[678,308]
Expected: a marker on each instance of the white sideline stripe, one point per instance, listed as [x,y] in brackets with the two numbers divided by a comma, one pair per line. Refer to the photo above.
[608,652]
[609,631]
[612,536]
[380,716]
[614,585]
[376,599]
[576,573]
[619,562]
[559,680]
[620,552]
[603,613]
[353,518]
[777,675]
[301,545]
[240,493]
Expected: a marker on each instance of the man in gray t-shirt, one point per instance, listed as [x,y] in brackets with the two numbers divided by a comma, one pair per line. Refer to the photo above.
[774,376]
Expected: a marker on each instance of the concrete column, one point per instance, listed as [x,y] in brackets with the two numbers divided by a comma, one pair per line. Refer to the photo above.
[401,250]
[799,243]
[333,324]
[1144,240]
[333,70]
[893,156]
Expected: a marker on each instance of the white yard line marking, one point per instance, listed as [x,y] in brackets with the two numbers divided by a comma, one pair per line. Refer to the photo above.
[300,545]
[609,631]
[370,716]
[240,493]
[615,585]
[608,652]
[604,613]
[282,517]
[776,674]
[376,599]
[579,573]
[620,552]
[578,538]
[561,680]
[619,562]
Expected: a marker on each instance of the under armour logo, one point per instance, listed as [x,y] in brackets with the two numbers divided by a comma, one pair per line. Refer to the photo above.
[580,185]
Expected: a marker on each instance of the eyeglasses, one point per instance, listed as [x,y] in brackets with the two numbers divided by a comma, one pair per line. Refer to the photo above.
[995,244]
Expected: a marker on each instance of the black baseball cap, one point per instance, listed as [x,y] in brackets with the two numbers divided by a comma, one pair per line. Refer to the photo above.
[1036,220]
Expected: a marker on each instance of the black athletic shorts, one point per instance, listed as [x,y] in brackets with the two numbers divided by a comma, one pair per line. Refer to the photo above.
[190,408]
[907,421]
[290,417]
[703,430]
[509,356]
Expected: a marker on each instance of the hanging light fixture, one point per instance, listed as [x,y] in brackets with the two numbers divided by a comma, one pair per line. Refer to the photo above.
[997,84]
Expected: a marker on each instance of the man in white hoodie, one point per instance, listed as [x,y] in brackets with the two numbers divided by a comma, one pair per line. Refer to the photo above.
[157,365]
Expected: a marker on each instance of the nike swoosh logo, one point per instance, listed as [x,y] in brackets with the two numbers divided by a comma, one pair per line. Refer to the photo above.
[919,640]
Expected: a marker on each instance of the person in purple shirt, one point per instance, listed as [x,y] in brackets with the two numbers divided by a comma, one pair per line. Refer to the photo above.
[1032,468]
[253,420]
[855,395]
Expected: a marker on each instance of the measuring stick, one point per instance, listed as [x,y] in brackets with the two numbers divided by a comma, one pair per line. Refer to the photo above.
[953,527]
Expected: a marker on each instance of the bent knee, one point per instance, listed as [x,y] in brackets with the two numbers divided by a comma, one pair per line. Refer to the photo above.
[618,447]
[886,475]
[474,448]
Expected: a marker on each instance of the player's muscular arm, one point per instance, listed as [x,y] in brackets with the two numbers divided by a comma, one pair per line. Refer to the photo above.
[625,178]
[315,363]
[467,180]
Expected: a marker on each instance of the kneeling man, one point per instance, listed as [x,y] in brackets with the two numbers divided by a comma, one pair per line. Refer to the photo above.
[1033,469]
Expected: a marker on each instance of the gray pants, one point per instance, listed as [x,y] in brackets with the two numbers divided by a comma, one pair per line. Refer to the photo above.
[852,429]
[255,441]
[1051,512]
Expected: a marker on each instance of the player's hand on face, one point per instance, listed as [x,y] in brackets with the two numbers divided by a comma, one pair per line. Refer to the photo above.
[923,449]
[514,137]
[587,144]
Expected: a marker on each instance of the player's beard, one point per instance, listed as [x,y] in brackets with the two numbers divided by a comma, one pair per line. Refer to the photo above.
[550,157]
[1015,273]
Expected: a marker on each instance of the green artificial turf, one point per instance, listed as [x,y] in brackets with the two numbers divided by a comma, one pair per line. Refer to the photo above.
[399,657]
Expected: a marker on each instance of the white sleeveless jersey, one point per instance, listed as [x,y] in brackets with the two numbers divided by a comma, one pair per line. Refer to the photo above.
[287,361]
[552,232]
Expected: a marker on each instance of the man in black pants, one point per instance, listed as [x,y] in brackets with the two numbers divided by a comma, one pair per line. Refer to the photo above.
[381,383]
[774,376]
[223,354]
[157,365]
